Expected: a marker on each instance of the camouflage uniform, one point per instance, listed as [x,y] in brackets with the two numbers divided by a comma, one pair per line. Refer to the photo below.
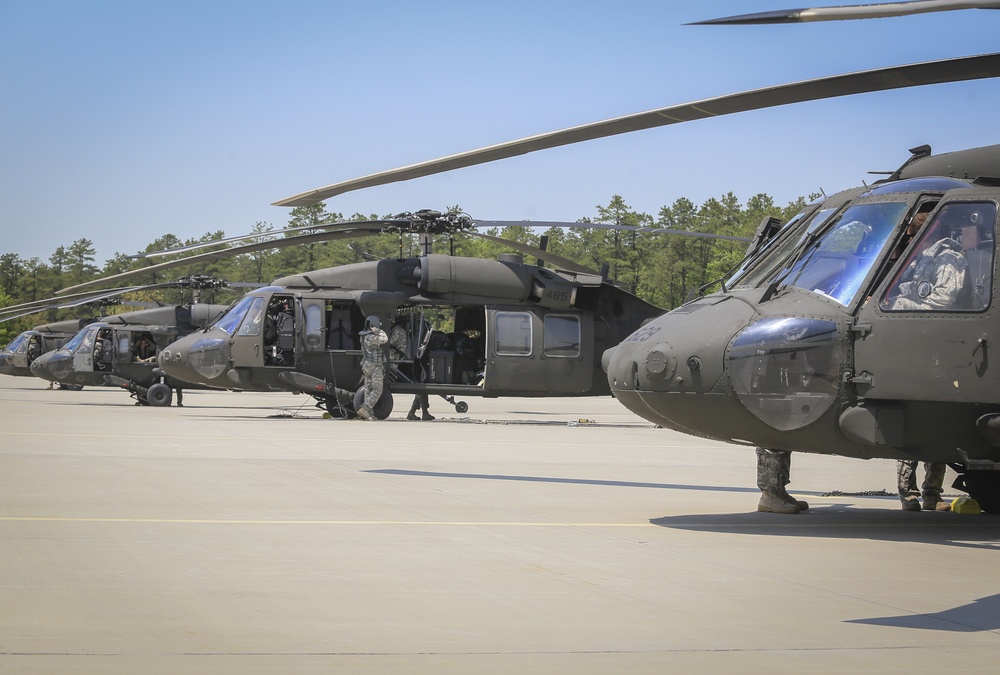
[773,474]
[906,475]
[935,279]
[373,369]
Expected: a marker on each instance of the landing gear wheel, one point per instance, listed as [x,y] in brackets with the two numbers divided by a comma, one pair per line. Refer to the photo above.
[159,395]
[984,487]
[461,407]
[383,407]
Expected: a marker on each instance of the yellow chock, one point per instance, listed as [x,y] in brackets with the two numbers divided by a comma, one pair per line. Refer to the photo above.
[327,415]
[965,505]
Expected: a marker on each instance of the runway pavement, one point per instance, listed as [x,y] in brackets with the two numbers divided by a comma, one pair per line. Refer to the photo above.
[244,533]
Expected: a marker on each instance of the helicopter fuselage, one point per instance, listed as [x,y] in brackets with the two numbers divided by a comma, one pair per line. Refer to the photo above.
[457,326]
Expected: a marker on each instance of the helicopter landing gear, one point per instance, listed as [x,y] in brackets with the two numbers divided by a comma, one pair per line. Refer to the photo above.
[159,395]
[383,407]
[983,486]
[460,406]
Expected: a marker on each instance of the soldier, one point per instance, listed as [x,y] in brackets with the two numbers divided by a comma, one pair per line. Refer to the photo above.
[935,276]
[906,474]
[773,474]
[372,364]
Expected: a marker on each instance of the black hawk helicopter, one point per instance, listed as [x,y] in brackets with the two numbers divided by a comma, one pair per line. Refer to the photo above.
[16,358]
[513,328]
[120,350]
[832,336]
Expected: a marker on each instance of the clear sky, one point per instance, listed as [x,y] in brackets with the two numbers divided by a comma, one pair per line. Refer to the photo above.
[121,121]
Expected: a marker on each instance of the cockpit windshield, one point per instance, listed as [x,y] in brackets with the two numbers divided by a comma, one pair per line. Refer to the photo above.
[82,341]
[15,343]
[833,260]
[779,250]
[230,321]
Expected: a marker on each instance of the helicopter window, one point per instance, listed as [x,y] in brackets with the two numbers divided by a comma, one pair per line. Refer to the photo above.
[87,341]
[561,336]
[923,184]
[837,262]
[513,334]
[76,340]
[779,250]
[251,324]
[314,325]
[17,344]
[231,319]
[951,267]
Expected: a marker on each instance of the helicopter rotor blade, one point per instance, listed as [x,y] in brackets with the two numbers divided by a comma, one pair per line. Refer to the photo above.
[840,13]
[551,258]
[364,230]
[605,226]
[340,225]
[879,79]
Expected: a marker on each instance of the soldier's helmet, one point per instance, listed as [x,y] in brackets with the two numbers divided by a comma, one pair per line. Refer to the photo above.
[373,323]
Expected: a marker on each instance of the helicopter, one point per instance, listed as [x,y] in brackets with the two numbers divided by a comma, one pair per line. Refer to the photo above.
[16,358]
[120,350]
[110,352]
[457,326]
[809,345]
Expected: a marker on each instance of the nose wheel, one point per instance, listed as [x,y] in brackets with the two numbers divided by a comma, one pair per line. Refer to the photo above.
[460,406]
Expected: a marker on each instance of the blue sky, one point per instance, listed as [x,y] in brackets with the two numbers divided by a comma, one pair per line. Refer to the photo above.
[123,121]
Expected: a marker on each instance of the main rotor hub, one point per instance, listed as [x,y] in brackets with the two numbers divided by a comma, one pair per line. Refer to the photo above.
[427,221]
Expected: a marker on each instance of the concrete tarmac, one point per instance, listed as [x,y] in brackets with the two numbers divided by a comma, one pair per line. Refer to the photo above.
[244,533]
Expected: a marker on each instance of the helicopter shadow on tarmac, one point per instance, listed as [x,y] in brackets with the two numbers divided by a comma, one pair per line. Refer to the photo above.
[978,616]
[845,521]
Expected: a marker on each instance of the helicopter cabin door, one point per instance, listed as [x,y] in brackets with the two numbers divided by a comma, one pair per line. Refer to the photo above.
[266,336]
[925,332]
[534,352]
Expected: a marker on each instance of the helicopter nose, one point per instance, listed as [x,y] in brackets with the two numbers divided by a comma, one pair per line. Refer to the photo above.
[677,362]
[201,358]
[52,366]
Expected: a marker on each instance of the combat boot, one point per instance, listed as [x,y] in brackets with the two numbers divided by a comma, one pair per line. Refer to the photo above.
[910,503]
[935,504]
[364,413]
[412,415]
[772,503]
[427,417]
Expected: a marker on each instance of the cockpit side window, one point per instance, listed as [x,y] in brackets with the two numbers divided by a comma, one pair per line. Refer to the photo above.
[950,269]
[231,319]
[251,324]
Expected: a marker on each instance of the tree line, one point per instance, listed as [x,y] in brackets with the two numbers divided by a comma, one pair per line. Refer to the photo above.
[660,268]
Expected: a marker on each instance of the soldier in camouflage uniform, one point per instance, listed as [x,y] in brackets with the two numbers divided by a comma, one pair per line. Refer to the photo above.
[934,278]
[906,474]
[372,365]
[773,474]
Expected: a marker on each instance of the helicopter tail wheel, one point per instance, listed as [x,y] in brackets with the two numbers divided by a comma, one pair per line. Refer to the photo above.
[159,395]
[461,407]
[383,407]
